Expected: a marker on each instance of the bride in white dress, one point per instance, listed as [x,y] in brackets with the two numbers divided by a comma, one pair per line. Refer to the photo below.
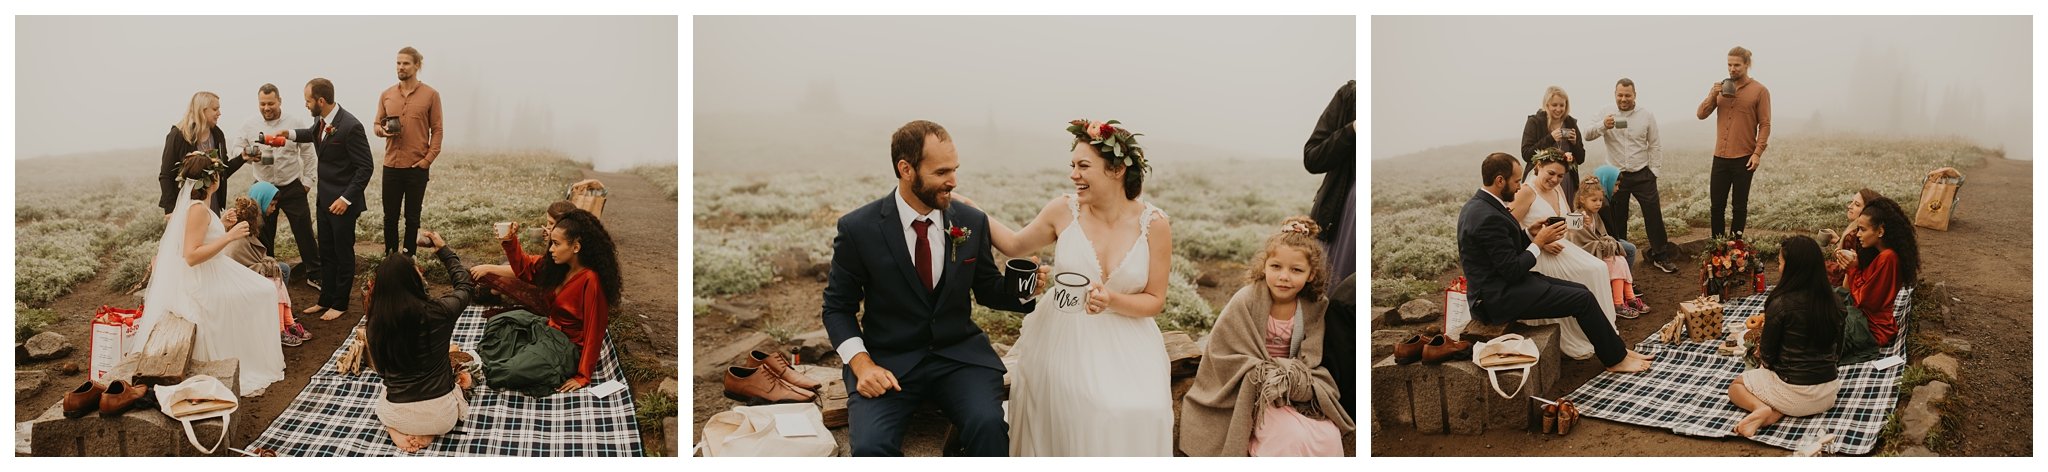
[234,308]
[1095,382]
[1542,197]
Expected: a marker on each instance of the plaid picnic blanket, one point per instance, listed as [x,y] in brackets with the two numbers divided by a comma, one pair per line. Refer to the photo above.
[1687,390]
[336,415]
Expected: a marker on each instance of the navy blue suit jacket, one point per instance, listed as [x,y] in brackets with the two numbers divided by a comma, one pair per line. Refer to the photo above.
[902,322]
[345,165]
[1493,250]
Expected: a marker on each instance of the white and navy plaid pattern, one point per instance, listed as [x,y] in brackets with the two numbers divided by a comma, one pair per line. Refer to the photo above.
[336,416]
[1686,390]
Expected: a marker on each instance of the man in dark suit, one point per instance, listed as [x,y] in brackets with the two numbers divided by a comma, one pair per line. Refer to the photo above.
[915,341]
[1497,254]
[345,169]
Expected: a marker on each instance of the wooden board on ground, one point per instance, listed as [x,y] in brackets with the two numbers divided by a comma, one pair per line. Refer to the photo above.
[167,352]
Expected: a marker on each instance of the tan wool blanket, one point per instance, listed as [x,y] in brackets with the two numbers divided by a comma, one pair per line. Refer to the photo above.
[1237,380]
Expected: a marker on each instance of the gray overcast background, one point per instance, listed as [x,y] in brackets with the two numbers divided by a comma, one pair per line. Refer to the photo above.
[1441,81]
[600,89]
[830,90]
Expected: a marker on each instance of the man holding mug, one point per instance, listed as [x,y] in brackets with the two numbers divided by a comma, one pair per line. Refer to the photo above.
[290,168]
[409,119]
[1633,146]
[1740,135]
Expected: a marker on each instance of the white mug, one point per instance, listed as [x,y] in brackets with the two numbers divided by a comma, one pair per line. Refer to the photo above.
[1070,293]
[1575,220]
[501,228]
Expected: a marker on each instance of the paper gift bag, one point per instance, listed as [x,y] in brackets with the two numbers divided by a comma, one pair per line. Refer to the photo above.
[1702,318]
[1456,312]
[589,196]
[1938,198]
[112,328]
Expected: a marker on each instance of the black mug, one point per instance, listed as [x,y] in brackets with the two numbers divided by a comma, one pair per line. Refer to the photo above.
[1021,277]
[391,124]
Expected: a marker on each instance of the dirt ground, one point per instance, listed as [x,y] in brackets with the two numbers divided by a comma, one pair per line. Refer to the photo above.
[640,218]
[1985,260]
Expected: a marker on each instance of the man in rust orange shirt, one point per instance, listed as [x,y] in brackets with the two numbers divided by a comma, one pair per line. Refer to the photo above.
[1740,135]
[409,119]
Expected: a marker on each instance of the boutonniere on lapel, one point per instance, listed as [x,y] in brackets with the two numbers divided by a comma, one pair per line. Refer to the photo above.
[329,132]
[958,235]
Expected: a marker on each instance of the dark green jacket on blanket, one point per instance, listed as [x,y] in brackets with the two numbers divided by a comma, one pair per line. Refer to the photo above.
[522,353]
[1858,344]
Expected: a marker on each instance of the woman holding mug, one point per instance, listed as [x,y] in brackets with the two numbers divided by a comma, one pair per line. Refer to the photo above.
[1554,127]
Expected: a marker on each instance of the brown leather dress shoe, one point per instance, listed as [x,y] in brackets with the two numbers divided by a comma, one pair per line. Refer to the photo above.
[779,365]
[754,386]
[1409,351]
[122,396]
[1441,349]
[82,400]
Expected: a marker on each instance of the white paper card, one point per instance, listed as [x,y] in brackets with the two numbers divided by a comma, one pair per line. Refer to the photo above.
[607,388]
[791,425]
[1888,362]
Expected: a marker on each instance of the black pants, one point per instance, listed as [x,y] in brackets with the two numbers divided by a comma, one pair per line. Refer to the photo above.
[407,187]
[1340,352]
[967,393]
[1642,185]
[290,201]
[337,256]
[1566,298]
[1730,175]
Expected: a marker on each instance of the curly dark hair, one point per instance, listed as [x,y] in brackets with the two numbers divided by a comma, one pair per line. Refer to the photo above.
[1887,215]
[598,255]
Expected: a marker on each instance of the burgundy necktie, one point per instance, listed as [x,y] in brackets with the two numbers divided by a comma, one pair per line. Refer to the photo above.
[319,128]
[921,256]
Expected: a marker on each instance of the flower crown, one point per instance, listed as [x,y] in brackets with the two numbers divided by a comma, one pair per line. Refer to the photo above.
[1116,144]
[212,171]
[1551,154]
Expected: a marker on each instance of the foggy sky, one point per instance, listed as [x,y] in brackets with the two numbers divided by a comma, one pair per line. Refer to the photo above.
[600,89]
[1249,87]
[1451,80]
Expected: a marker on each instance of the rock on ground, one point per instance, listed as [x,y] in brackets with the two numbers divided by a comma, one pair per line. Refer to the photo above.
[1920,416]
[46,346]
[27,382]
[1421,310]
[1945,364]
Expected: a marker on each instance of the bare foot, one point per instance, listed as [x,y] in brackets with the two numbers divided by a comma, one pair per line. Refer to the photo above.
[1630,364]
[311,310]
[1757,420]
[1638,355]
[331,315]
[405,442]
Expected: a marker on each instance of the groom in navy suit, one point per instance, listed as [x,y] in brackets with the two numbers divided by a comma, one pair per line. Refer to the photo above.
[1498,257]
[913,257]
[345,169]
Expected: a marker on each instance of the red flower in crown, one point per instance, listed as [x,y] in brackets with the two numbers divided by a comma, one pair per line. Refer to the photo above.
[1106,131]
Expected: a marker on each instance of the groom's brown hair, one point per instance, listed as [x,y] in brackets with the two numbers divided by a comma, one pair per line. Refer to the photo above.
[908,143]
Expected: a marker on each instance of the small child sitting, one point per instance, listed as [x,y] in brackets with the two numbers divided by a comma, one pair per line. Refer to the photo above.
[1592,236]
[250,251]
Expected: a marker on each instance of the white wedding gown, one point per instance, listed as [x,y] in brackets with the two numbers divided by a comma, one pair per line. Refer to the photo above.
[234,308]
[1092,385]
[1573,264]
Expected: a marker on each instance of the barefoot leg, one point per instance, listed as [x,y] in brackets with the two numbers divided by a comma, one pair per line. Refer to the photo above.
[1756,420]
[1630,364]
[408,443]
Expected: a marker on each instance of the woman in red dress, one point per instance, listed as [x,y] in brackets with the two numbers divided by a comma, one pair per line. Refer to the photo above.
[581,273]
[1886,258]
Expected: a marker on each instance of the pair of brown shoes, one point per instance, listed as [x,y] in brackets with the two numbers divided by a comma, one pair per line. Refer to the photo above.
[114,399]
[1560,417]
[764,378]
[1434,350]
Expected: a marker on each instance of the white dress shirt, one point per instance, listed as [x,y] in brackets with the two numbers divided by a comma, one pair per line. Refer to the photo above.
[295,161]
[934,236]
[1633,148]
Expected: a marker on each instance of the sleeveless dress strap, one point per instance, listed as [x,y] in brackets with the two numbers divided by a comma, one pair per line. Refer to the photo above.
[1145,220]
[1073,208]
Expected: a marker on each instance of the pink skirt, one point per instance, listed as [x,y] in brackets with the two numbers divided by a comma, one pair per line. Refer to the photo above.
[1284,432]
[1617,269]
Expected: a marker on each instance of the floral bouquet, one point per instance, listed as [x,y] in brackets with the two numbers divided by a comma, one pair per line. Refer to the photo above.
[1728,264]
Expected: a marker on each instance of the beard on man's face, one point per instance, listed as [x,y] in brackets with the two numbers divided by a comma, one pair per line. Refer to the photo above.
[928,195]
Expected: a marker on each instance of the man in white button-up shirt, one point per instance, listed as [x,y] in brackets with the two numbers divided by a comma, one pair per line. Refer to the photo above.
[291,170]
[1630,133]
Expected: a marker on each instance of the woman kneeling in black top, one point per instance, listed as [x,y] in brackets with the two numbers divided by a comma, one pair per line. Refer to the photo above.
[1801,333]
[408,343]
